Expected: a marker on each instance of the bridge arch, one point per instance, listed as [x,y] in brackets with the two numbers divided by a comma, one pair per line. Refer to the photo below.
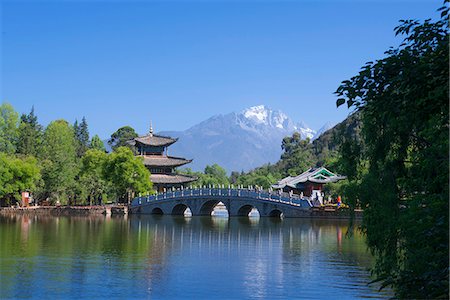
[213,207]
[207,208]
[180,209]
[157,211]
[244,210]
[276,213]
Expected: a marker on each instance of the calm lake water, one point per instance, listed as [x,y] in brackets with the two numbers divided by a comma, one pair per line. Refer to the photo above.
[164,257]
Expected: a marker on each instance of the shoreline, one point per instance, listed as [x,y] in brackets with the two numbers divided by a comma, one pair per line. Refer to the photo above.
[117,210]
[65,210]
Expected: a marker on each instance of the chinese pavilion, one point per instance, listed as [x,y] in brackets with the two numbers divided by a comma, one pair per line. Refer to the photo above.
[308,182]
[153,148]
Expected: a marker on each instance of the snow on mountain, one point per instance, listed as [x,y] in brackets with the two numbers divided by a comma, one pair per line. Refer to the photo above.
[237,141]
[322,129]
[263,115]
[258,114]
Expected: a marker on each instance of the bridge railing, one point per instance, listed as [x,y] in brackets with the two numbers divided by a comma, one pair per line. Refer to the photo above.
[223,192]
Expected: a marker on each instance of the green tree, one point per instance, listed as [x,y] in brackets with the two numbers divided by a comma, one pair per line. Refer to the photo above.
[76,130]
[255,179]
[127,174]
[121,137]
[17,175]
[217,172]
[81,133]
[97,143]
[403,102]
[92,176]
[298,154]
[30,134]
[9,121]
[59,161]
[213,175]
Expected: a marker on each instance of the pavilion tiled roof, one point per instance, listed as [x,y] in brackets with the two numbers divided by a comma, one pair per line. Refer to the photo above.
[316,175]
[165,161]
[154,140]
[171,178]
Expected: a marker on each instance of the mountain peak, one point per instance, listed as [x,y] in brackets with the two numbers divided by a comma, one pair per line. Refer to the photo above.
[257,113]
[261,114]
[238,140]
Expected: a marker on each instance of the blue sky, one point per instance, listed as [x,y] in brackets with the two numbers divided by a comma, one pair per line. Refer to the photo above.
[179,62]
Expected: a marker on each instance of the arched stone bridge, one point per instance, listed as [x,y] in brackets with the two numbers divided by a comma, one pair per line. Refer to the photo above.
[238,202]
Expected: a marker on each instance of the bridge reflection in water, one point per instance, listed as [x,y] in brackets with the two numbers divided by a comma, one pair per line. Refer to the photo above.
[237,202]
[170,257]
[267,256]
[218,231]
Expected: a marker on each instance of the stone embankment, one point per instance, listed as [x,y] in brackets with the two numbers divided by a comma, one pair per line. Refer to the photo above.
[123,210]
[328,213]
[65,210]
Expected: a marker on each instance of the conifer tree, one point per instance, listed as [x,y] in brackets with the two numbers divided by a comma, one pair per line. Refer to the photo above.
[83,137]
[76,129]
[81,134]
[30,134]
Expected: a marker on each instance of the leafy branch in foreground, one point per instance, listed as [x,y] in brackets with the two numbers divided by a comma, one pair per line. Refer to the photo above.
[403,103]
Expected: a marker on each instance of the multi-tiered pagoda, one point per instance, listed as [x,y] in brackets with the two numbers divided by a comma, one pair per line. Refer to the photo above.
[153,148]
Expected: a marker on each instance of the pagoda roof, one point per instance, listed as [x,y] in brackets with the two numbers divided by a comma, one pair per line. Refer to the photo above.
[316,175]
[171,178]
[165,161]
[154,140]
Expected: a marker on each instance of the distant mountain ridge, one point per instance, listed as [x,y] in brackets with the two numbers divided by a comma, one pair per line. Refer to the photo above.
[237,141]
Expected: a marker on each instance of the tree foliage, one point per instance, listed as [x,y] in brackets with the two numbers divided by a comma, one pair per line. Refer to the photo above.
[59,161]
[30,135]
[17,175]
[263,177]
[402,100]
[9,121]
[121,137]
[92,176]
[213,175]
[97,143]
[127,174]
[60,164]
[217,172]
[81,132]
[298,155]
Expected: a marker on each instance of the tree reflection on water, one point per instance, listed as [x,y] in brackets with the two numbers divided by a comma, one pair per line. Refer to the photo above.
[164,256]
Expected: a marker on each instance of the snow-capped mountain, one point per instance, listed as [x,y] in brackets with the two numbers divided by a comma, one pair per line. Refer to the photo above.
[262,115]
[237,141]
[322,129]
[261,118]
